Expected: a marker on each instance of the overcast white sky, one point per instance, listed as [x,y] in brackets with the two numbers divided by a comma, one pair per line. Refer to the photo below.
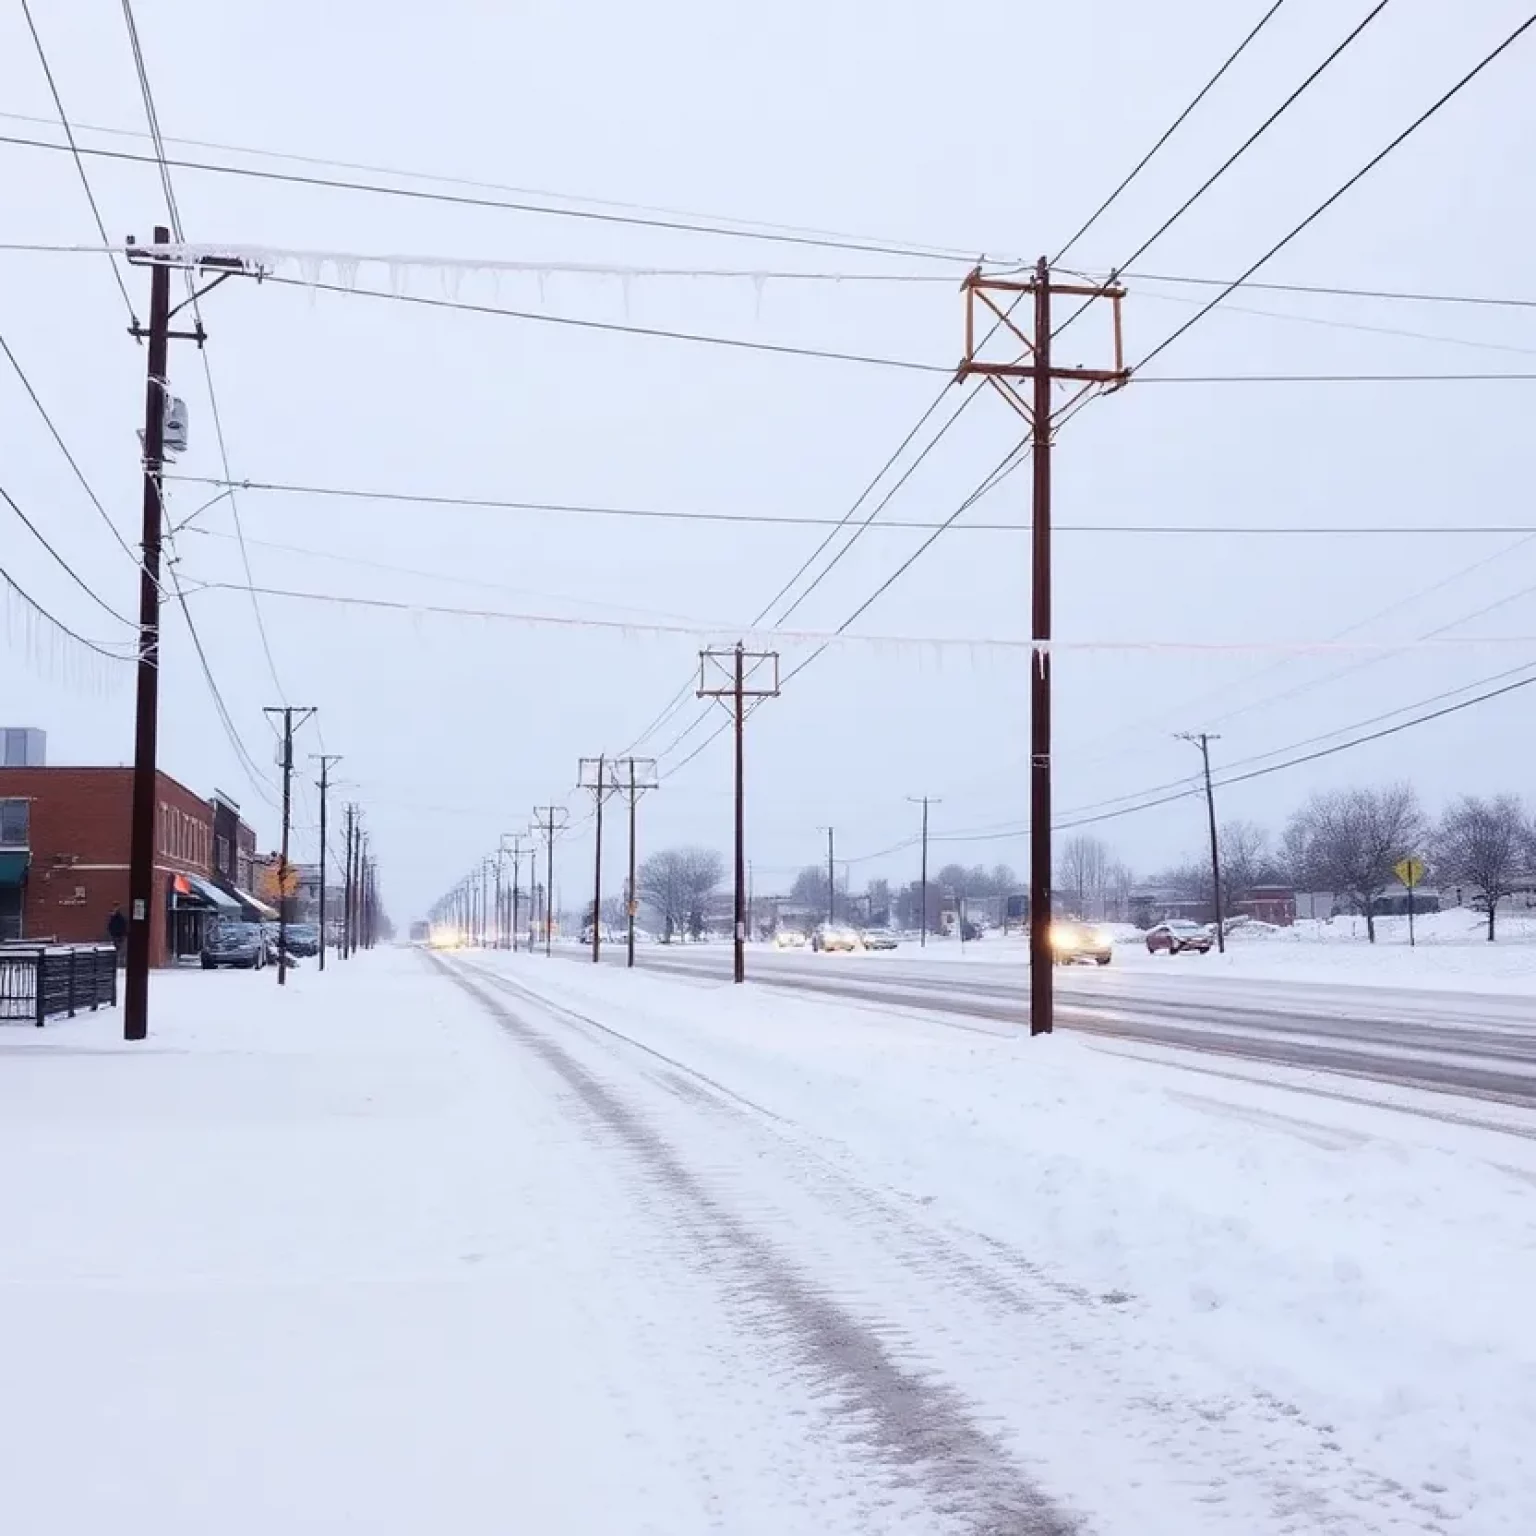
[993,130]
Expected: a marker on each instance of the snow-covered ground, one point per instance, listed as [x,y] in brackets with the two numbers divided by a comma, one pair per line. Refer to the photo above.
[499,1244]
[1451,953]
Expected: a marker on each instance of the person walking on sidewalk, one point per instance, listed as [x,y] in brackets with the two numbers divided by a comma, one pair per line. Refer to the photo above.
[117,931]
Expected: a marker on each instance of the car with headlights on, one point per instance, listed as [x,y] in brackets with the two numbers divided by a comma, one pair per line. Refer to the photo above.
[832,938]
[1073,942]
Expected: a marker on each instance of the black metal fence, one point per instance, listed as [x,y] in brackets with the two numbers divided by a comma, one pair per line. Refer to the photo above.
[39,982]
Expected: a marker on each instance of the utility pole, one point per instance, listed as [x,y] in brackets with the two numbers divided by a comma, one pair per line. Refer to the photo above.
[725,675]
[596,774]
[1203,740]
[141,856]
[325,759]
[639,776]
[550,820]
[1006,377]
[346,887]
[925,801]
[485,903]
[517,859]
[284,876]
[831,877]
[157,400]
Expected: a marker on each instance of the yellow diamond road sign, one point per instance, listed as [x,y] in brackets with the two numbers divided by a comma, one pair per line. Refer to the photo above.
[1410,871]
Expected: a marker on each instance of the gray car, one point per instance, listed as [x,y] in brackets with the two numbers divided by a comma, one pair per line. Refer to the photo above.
[238,946]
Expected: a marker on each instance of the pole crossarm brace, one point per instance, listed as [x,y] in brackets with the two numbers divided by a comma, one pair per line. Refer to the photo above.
[979,289]
[717,674]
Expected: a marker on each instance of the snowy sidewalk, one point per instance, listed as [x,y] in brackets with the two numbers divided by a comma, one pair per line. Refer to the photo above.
[349,1260]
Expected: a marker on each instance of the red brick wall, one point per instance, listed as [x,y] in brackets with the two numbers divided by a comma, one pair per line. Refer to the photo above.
[79,834]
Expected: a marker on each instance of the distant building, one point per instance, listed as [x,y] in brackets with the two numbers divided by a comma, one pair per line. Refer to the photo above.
[1275,904]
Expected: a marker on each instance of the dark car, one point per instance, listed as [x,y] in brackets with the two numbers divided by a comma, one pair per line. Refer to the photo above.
[303,939]
[238,945]
[1177,936]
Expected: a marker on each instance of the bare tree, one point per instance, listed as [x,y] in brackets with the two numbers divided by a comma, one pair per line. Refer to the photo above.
[678,883]
[810,888]
[1245,859]
[1083,870]
[1118,885]
[1351,839]
[1487,845]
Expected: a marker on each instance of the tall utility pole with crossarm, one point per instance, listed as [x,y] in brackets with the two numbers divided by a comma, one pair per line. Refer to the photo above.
[1203,740]
[733,678]
[987,293]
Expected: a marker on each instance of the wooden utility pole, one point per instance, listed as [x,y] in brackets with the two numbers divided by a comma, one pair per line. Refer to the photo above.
[1006,377]
[925,801]
[727,676]
[550,821]
[284,873]
[323,784]
[1203,740]
[141,855]
[346,888]
[831,877]
[597,775]
[157,398]
[517,860]
[639,776]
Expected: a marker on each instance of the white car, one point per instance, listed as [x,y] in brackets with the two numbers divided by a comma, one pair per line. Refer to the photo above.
[789,938]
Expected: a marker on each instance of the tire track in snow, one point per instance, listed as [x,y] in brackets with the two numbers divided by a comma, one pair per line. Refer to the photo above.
[919,1430]
[1309,1481]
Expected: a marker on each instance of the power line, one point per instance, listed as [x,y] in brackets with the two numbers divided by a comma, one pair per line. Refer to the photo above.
[1334,197]
[153,117]
[100,648]
[62,563]
[915,247]
[1170,130]
[794,520]
[42,411]
[1334,291]
[1256,135]
[684,226]
[1318,378]
[74,149]
[614,327]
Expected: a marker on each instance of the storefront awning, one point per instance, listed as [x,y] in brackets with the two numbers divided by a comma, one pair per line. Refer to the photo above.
[195,892]
[13,867]
[257,910]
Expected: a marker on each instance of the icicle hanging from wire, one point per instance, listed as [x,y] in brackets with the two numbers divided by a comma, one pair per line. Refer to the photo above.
[54,651]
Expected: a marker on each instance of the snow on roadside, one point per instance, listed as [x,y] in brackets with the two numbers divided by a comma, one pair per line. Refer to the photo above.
[340,1259]
[1451,954]
[1365,1272]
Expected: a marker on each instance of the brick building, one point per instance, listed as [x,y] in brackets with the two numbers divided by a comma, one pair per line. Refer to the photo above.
[64,840]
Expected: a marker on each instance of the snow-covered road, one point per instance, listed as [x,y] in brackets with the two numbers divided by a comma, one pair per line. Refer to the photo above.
[486,1243]
[1474,1043]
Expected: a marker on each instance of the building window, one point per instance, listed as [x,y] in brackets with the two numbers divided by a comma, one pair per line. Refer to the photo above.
[221,847]
[15,819]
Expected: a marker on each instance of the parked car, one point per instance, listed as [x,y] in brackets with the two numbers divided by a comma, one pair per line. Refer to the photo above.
[303,939]
[1177,936]
[830,938]
[878,940]
[789,938]
[1072,942]
[241,946]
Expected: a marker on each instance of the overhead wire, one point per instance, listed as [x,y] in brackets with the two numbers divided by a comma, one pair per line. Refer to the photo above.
[791,520]
[614,327]
[74,149]
[61,562]
[1333,197]
[508,205]
[894,245]
[63,447]
[1170,130]
[173,208]
[101,648]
